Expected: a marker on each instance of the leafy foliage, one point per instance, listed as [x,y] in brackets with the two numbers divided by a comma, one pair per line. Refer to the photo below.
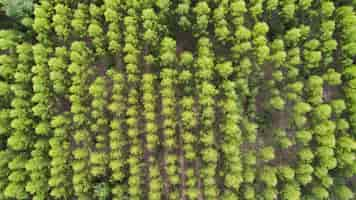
[17,8]
[228,99]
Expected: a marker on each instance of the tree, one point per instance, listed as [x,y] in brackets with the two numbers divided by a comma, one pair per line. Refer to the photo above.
[270,193]
[271,5]
[17,8]
[238,8]
[302,108]
[350,72]
[163,4]
[202,11]
[343,192]
[290,192]
[288,10]
[315,81]
[305,4]
[286,173]
[322,112]
[293,36]
[168,51]
[269,177]
[186,59]
[225,69]
[303,173]
[306,155]
[267,154]
[4,89]
[61,21]
[17,178]
[327,8]
[102,191]
[320,192]
[249,192]
[151,26]
[338,106]
[260,28]
[210,155]
[96,32]
[277,103]
[315,89]
[304,136]
[242,33]
[222,30]
[80,19]
[332,77]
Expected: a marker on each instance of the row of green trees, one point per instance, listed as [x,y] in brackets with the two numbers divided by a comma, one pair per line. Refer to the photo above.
[168,104]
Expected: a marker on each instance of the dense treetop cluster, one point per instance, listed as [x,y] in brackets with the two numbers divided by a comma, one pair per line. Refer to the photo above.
[178,100]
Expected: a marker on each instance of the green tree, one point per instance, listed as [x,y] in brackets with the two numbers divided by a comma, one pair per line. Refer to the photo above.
[343,192]
[269,177]
[277,103]
[102,191]
[286,173]
[322,112]
[338,106]
[320,192]
[168,51]
[17,8]
[332,77]
[202,11]
[225,69]
[290,192]
[267,153]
